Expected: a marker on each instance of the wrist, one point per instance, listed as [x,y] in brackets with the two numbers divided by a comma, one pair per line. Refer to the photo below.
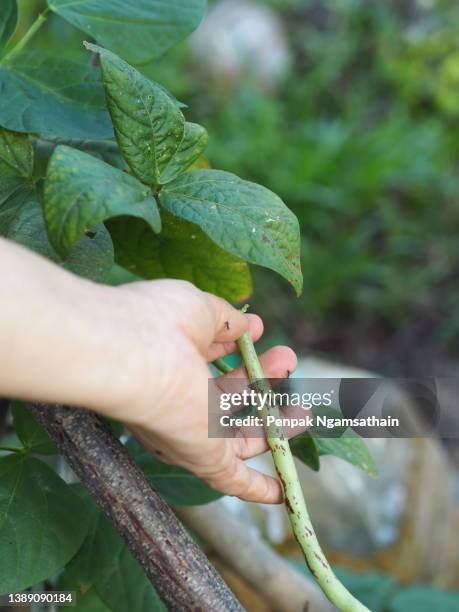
[64,339]
[110,367]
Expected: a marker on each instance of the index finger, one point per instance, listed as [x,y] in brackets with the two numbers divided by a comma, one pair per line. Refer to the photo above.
[216,321]
[238,479]
[230,323]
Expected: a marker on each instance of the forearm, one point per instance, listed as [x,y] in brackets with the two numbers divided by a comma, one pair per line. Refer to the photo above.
[58,338]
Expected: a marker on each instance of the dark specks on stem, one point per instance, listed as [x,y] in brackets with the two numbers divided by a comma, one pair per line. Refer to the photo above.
[289,505]
[321,561]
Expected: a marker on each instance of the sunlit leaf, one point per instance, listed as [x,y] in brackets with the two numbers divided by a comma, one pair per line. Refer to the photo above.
[182,250]
[243,218]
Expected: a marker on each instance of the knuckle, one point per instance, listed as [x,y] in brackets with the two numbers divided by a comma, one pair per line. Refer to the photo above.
[226,472]
[225,478]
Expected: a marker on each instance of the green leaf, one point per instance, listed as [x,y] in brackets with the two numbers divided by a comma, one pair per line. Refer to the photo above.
[116,426]
[243,218]
[8,20]
[351,448]
[21,220]
[42,522]
[52,95]
[177,486]
[16,155]
[424,599]
[319,431]
[89,601]
[98,554]
[14,195]
[345,443]
[119,275]
[30,432]
[149,127]
[373,589]
[9,187]
[193,143]
[126,587]
[182,250]
[82,191]
[106,150]
[105,566]
[139,30]
[304,448]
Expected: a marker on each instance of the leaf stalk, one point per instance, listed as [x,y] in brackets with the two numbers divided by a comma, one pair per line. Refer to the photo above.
[12,449]
[222,366]
[19,46]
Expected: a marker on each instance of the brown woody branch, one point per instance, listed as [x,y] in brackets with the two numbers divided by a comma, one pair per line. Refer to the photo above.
[176,567]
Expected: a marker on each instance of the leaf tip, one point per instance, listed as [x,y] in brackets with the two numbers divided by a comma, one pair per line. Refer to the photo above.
[92,47]
[373,471]
[297,283]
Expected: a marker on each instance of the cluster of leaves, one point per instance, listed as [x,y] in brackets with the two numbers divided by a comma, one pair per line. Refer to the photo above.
[50,94]
[244,221]
[212,221]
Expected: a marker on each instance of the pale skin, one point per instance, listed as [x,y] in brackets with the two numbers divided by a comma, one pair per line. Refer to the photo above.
[138,353]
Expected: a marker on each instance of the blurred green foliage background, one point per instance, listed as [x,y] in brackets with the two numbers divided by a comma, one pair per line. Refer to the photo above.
[360,138]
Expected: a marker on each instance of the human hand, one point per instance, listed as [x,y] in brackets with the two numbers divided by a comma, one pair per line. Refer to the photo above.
[137,353]
[176,330]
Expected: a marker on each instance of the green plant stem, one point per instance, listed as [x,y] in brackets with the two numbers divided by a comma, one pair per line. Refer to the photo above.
[294,499]
[19,46]
[222,366]
[11,449]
